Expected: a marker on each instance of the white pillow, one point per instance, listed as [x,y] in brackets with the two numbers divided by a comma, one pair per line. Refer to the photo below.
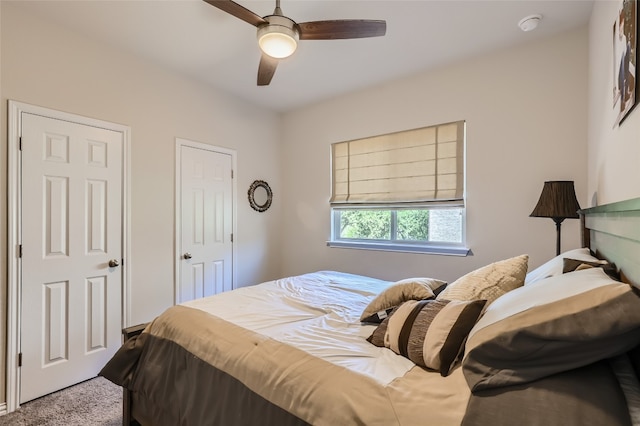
[554,266]
[543,293]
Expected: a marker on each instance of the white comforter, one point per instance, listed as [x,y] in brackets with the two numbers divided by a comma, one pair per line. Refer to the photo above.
[318,313]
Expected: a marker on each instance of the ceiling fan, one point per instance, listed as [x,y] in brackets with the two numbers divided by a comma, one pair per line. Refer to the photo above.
[278,35]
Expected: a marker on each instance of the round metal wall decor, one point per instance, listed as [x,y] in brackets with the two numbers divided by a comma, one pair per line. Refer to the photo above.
[260,195]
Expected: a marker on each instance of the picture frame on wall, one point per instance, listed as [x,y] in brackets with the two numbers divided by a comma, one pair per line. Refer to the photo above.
[625,36]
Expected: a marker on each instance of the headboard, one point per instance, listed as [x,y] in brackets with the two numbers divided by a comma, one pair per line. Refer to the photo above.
[612,232]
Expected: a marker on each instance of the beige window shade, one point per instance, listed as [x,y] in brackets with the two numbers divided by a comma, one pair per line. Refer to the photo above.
[415,166]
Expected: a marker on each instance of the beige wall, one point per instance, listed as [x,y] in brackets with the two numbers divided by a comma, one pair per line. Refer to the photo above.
[526,123]
[46,65]
[613,151]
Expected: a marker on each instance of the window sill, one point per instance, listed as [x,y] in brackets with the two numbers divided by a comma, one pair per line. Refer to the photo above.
[406,248]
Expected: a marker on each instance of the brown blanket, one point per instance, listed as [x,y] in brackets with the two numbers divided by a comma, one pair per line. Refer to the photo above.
[192,368]
[175,366]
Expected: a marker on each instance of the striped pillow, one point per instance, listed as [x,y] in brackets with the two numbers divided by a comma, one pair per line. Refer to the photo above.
[429,332]
[570,265]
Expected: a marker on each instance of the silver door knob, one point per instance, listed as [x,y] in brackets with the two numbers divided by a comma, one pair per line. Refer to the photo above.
[113,263]
[187,255]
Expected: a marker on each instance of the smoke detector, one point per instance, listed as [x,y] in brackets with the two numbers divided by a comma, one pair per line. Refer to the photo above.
[529,23]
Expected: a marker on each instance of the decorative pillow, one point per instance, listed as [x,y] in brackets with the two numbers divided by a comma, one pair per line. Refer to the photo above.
[430,333]
[553,325]
[489,282]
[553,267]
[570,265]
[401,291]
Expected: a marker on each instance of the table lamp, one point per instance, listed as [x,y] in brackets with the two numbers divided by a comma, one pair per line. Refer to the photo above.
[557,201]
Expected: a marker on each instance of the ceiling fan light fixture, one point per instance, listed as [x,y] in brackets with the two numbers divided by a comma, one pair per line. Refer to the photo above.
[279,38]
[276,42]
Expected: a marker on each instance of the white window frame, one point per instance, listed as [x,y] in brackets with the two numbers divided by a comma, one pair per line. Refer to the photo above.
[442,248]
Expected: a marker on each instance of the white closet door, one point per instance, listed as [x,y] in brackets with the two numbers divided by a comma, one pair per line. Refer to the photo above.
[206,227]
[71,231]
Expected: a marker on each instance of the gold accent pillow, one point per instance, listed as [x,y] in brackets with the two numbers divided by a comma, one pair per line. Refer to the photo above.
[489,282]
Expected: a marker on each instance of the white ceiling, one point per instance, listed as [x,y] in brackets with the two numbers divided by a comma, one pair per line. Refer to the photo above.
[205,43]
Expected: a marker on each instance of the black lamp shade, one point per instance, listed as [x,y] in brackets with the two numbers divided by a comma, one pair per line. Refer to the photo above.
[558,200]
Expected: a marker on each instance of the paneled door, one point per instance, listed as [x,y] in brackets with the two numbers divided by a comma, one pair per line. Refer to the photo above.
[70,322]
[205,250]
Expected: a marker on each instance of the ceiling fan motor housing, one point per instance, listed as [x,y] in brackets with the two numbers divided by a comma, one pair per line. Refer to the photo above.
[279,37]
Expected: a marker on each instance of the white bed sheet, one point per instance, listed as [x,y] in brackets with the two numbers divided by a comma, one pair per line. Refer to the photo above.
[317,312]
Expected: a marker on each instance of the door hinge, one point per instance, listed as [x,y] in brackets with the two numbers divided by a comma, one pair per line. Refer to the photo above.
[20,251]
[20,143]
[231,173]
[20,359]
[232,237]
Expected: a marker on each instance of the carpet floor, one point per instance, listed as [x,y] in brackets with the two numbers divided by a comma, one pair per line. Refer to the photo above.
[94,402]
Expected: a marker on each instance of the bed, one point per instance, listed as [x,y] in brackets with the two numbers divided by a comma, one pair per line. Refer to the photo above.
[501,345]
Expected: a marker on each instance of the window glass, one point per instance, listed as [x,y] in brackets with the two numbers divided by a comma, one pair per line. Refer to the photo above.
[423,225]
[365,224]
[413,225]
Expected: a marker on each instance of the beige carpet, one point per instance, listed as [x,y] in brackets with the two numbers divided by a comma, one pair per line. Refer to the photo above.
[94,402]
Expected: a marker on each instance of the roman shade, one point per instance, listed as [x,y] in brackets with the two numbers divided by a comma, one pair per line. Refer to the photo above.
[423,165]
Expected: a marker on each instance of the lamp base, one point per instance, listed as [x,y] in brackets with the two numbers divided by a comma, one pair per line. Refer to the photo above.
[558,221]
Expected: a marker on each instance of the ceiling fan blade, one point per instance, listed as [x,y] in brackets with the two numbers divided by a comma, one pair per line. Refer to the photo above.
[238,11]
[342,29]
[266,69]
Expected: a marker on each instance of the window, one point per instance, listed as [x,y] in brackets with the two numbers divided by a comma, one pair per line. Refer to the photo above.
[402,191]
